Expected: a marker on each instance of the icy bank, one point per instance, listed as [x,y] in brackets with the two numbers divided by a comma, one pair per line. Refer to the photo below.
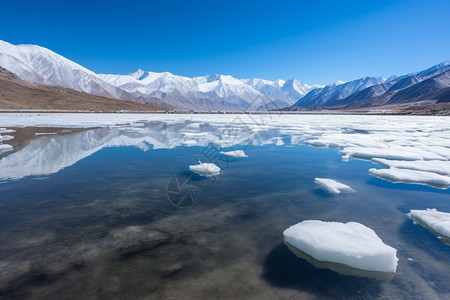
[435,221]
[334,186]
[235,153]
[350,244]
[205,169]
[5,148]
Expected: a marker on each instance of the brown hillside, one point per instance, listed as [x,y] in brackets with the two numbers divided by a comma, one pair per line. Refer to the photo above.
[16,93]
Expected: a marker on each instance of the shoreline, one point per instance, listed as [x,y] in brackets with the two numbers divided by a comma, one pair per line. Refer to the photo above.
[377,112]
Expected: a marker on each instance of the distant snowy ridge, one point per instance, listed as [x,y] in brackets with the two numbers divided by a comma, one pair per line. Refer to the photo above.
[432,84]
[210,92]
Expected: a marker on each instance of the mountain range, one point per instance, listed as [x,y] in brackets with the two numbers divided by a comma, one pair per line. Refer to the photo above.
[214,92]
[431,85]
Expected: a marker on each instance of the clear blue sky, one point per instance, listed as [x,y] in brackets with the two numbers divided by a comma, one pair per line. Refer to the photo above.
[313,41]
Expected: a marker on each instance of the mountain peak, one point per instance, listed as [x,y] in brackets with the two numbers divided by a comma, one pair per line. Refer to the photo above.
[139,74]
[212,77]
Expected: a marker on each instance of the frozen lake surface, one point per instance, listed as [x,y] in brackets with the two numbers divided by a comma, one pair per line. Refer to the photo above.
[104,205]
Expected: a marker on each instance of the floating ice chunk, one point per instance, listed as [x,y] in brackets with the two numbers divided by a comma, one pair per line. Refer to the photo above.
[434,166]
[205,169]
[435,221]
[412,176]
[334,186]
[351,244]
[235,153]
[395,153]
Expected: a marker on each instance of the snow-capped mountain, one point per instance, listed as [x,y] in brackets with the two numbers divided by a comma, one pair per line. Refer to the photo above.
[431,84]
[296,89]
[210,92]
[40,65]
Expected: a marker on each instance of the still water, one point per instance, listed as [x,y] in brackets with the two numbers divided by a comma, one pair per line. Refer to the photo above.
[111,213]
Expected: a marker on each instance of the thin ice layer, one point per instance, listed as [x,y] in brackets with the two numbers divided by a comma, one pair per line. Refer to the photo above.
[351,244]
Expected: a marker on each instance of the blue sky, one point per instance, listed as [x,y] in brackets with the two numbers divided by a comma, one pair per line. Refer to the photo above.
[312,41]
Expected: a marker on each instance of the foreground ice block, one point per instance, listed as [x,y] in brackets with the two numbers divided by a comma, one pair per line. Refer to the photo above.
[334,186]
[346,247]
[205,169]
[235,153]
[435,221]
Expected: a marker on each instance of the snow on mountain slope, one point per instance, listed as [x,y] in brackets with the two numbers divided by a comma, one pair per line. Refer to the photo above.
[228,92]
[296,89]
[331,94]
[425,85]
[40,65]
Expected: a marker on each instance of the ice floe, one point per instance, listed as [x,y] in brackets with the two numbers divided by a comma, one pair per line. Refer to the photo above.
[234,153]
[412,176]
[434,166]
[349,244]
[205,169]
[435,221]
[334,186]
[395,153]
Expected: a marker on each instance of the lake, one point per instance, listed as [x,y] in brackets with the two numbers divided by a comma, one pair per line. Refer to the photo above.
[99,206]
